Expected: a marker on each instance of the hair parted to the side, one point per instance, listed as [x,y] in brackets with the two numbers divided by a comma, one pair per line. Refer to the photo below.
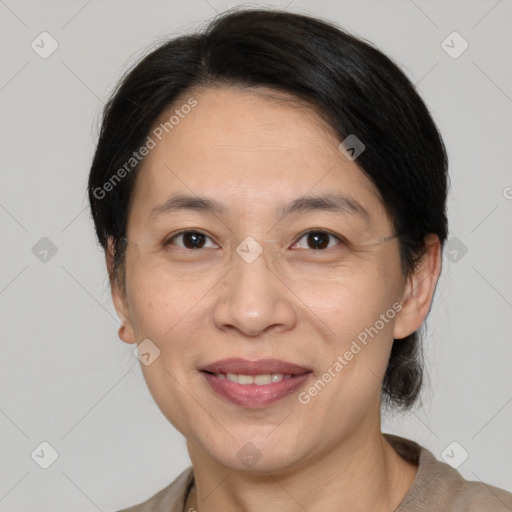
[356,89]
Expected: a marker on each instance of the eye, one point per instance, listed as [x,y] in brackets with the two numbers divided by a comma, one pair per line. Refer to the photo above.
[318,240]
[190,240]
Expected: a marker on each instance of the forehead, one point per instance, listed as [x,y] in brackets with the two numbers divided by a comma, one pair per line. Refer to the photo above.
[251,150]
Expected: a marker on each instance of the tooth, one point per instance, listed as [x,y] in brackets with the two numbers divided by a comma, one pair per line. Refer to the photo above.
[263,379]
[260,380]
[245,379]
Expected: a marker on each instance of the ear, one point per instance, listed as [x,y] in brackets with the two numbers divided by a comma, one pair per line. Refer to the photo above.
[419,289]
[119,299]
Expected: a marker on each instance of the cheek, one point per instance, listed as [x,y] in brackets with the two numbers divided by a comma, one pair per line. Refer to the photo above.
[347,306]
[169,313]
[160,306]
[166,314]
[356,318]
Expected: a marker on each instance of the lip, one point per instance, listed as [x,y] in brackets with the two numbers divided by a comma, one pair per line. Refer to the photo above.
[260,367]
[253,395]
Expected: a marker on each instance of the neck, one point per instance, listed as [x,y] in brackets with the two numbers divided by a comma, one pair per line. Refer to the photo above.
[363,473]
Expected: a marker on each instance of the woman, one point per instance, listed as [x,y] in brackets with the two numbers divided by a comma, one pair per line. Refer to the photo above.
[271,197]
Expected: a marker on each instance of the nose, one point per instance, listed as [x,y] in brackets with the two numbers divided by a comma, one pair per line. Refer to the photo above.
[253,299]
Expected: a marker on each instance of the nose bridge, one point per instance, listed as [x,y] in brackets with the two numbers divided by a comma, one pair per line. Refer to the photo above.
[254,298]
[252,280]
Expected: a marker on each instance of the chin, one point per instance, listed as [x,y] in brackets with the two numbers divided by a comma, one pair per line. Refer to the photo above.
[259,453]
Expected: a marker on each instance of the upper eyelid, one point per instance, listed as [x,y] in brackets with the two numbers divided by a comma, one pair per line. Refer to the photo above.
[172,237]
[320,230]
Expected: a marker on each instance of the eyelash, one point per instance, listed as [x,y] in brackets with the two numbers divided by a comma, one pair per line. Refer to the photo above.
[339,238]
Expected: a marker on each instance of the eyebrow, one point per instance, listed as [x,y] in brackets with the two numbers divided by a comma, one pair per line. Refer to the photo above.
[337,203]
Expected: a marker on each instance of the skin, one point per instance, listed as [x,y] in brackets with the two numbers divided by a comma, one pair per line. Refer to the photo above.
[251,150]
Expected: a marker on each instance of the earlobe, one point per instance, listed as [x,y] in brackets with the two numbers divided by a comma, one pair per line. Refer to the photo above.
[419,290]
[125,331]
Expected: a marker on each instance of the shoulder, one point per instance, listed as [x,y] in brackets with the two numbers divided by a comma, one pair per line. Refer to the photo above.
[438,487]
[169,499]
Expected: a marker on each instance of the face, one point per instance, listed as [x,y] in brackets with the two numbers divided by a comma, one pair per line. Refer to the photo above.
[302,303]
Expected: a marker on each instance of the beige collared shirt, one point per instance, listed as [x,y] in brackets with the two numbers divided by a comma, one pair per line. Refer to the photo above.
[437,488]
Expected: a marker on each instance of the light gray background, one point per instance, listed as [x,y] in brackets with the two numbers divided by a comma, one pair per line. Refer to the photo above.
[67,379]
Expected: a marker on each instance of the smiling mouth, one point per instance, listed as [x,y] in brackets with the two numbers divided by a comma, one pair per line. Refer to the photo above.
[259,380]
[254,383]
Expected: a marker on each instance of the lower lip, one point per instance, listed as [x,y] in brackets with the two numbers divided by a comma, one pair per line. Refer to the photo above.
[252,395]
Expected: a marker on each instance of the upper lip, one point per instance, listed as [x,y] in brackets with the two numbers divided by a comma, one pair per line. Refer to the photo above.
[260,367]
